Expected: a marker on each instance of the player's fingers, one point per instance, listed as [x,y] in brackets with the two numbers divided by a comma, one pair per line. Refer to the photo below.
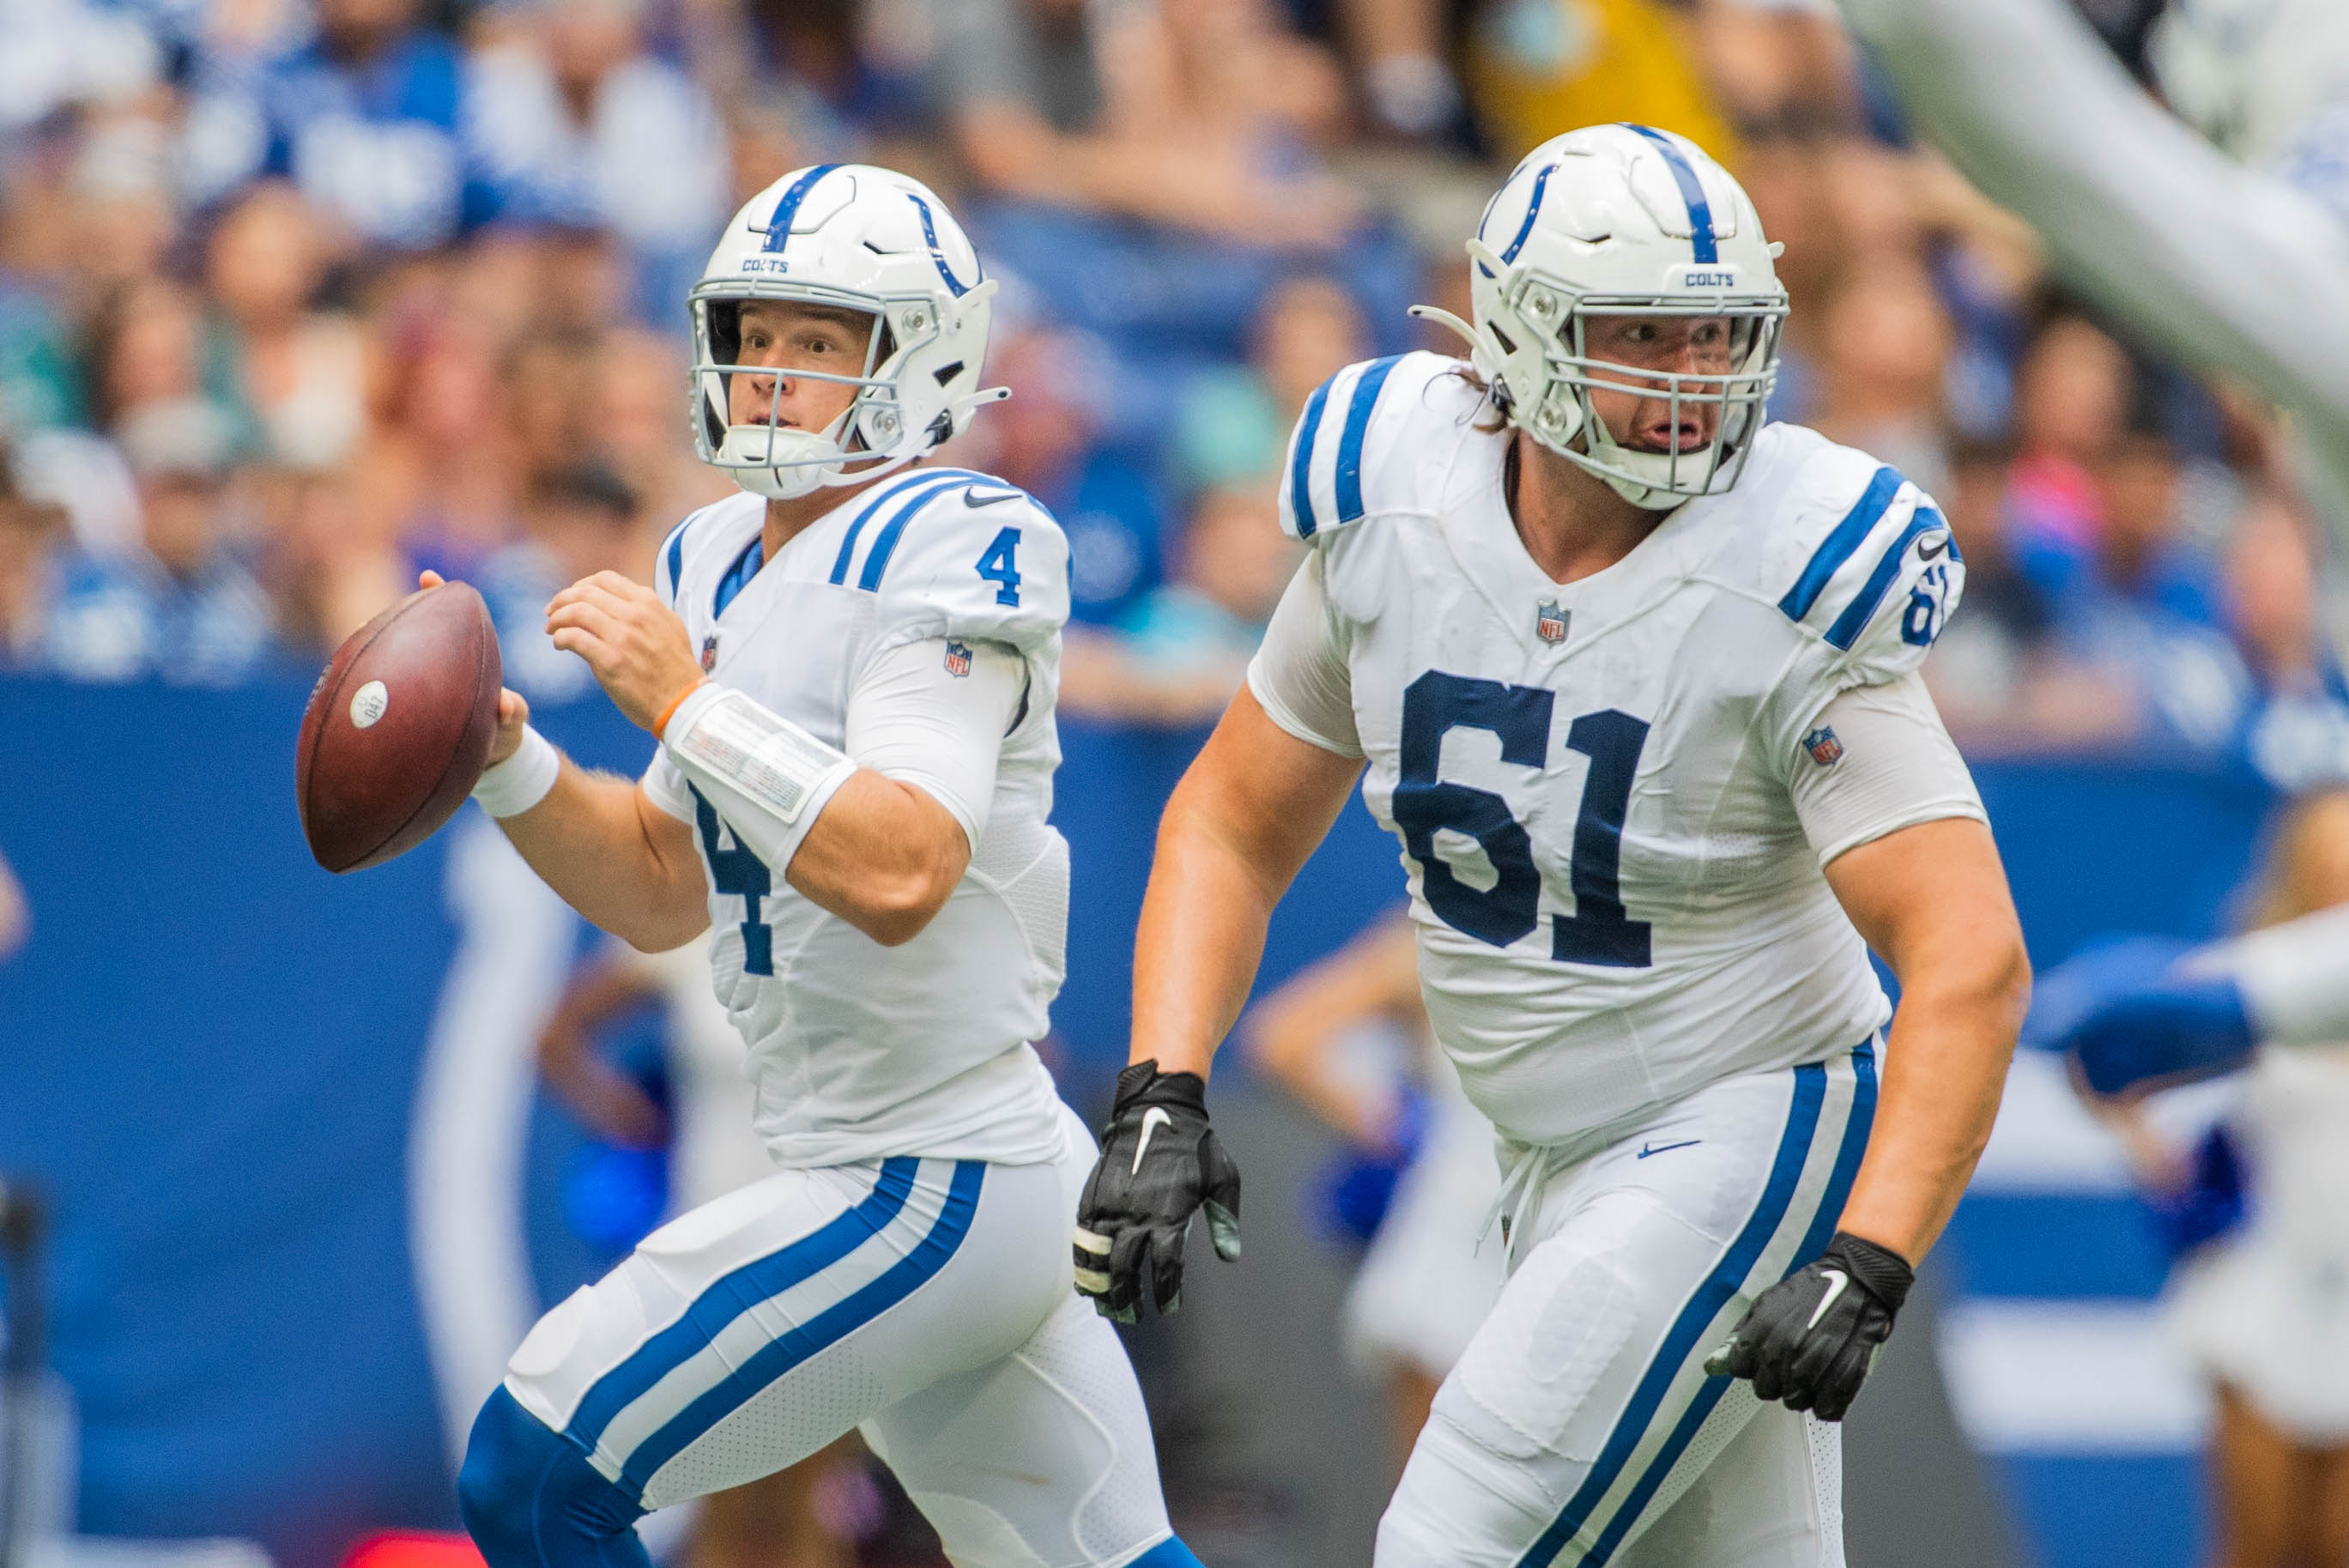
[586,645]
[513,708]
[1166,1266]
[1128,1254]
[428,578]
[1092,1249]
[1219,1183]
[620,586]
[590,618]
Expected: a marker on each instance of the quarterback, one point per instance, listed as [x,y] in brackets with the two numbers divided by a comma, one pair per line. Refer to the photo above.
[850,668]
[1632,676]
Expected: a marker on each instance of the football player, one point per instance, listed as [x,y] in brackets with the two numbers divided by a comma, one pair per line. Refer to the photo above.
[850,669]
[1635,678]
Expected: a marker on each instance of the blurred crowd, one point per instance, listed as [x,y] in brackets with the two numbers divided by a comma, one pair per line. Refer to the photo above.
[299,296]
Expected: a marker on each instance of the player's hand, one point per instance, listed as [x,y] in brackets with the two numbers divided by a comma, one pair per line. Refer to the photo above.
[637,647]
[1160,1163]
[1810,1339]
[513,712]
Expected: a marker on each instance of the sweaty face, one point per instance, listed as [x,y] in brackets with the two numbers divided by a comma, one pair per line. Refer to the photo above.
[1672,345]
[791,336]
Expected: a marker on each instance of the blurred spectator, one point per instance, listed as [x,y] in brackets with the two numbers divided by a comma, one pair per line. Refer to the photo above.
[1999,675]
[372,119]
[15,915]
[182,607]
[301,372]
[2299,739]
[1178,656]
[146,346]
[576,521]
[1233,420]
[1887,344]
[1191,115]
[438,462]
[1045,441]
[333,562]
[2072,402]
[30,532]
[639,418]
[580,127]
[1536,67]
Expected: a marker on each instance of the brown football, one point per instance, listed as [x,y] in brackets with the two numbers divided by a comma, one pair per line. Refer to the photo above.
[398,728]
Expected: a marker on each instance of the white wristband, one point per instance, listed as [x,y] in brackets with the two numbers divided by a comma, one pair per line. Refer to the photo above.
[521,780]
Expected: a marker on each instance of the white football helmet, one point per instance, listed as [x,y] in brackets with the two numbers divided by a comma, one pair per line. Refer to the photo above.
[1622,220]
[855,237]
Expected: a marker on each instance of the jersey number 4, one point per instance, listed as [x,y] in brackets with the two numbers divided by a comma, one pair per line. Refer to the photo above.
[1597,932]
[734,869]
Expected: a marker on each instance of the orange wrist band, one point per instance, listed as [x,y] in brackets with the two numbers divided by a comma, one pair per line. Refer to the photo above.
[675,702]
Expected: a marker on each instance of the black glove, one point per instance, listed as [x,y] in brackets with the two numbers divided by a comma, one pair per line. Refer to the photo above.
[1159,1162]
[1811,1337]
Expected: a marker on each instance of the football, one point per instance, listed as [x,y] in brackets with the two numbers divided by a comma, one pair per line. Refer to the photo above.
[398,728]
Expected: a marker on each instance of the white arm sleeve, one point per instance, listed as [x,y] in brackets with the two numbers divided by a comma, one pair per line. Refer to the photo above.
[1300,673]
[2294,976]
[2230,267]
[911,718]
[1896,767]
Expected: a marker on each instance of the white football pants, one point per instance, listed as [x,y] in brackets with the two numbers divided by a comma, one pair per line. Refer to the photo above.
[1580,1428]
[929,1303]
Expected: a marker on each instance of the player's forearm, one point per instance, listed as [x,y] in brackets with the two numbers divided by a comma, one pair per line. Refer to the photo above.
[1945,1069]
[1200,939]
[882,856]
[592,841]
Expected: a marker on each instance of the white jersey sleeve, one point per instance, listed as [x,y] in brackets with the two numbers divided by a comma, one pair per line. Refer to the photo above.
[2294,977]
[933,713]
[1299,676]
[1879,760]
[967,558]
[1869,568]
[1359,448]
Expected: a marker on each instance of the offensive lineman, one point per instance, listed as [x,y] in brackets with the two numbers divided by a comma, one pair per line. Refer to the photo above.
[850,669]
[1635,678]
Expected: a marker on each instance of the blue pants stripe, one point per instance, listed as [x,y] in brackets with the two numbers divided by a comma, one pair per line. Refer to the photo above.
[736,1293]
[834,1323]
[1703,1306]
[1813,1243]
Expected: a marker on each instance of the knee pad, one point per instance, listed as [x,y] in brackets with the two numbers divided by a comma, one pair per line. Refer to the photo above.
[531,1499]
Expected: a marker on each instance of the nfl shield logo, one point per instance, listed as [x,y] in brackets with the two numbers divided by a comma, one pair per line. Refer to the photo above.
[1550,622]
[1825,749]
[708,653]
[958,659]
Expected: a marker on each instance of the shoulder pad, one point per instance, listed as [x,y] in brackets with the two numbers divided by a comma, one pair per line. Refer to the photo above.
[951,552]
[1863,560]
[1368,437]
[669,567]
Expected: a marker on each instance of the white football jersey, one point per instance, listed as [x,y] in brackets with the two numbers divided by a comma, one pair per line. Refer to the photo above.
[1616,902]
[857,1050]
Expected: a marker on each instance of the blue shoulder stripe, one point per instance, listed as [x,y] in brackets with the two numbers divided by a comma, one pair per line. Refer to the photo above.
[897,485]
[1300,466]
[1846,537]
[1350,443]
[1847,625]
[675,550]
[885,543]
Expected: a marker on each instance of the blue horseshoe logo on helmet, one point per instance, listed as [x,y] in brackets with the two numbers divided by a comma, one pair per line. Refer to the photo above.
[955,285]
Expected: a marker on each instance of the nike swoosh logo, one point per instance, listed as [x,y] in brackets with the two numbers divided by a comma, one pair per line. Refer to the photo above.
[972,498]
[1928,547]
[1151,1120]
[1648,1149]
[1837,1279]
